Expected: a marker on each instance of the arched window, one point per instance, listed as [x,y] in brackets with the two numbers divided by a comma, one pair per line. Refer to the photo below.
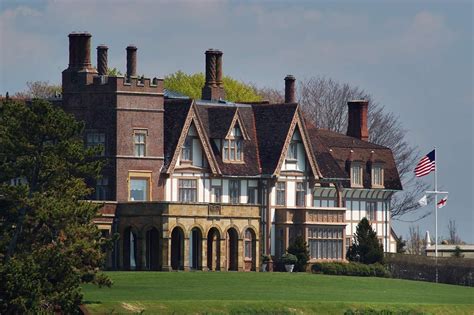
[248,244]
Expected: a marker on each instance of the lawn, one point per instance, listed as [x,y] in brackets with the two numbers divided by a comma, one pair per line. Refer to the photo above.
[281,293]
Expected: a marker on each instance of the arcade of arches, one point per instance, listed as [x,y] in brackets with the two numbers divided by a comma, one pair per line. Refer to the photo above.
[179,243]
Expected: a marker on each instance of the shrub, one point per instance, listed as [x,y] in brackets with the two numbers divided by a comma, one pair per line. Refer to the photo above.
[265,259]
[299,248]
[289,259]
[351,269]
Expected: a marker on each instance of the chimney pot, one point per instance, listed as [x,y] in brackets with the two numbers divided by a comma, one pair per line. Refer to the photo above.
[102,59]
[80,50]
[290,94]
[357,119]
[213,88]
[131,61]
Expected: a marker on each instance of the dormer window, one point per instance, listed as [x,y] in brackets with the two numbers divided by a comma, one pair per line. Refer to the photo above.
[356,175]
[232,146]
[377,176]
[187,150]
[292,151]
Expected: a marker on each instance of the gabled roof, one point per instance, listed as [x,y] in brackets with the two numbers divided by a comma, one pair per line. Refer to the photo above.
[176,111]
[298,122]
[339,146]
[175,134]
[268,129]
[216,121]
[237,120]
[272,124]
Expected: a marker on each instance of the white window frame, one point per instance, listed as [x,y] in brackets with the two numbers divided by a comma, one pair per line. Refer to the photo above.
[137,143]
[187,193]
[279,191]
[377,174]
[357,180]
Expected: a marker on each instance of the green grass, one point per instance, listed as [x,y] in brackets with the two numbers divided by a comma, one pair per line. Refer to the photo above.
[280,293]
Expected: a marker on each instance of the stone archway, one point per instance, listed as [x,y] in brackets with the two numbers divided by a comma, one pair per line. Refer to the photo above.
[152,249]
[213,249]
[195,249]
[232,249]
[177,249]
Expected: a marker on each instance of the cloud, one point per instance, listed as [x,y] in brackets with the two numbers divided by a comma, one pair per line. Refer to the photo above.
[265,34]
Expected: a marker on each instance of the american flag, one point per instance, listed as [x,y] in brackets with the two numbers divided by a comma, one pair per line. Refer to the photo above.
[426,165]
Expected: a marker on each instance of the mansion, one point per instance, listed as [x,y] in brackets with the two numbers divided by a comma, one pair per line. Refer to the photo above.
[212,185]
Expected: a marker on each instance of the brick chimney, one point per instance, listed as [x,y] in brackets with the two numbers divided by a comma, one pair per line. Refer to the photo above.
[80,51]
[102,59]
[357,119]
[290,94]
[131,61]
[213,89]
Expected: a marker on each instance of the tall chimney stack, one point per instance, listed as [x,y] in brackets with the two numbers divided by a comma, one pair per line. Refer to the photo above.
[213,89]
[357,119]
[218,56]
[290,93]
[80,51]
[131,61]
[102,59]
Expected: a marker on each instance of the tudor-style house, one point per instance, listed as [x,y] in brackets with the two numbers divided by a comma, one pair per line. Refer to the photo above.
[211,185]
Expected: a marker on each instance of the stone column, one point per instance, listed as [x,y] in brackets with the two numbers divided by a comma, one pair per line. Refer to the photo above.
[166,254]
[240,255]
[186,254]
[204,254]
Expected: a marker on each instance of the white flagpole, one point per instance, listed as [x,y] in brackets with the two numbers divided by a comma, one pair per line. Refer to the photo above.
[436,192]
[436,212]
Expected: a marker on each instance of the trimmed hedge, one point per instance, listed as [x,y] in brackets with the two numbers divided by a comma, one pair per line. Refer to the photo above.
[451,270]
[351,269]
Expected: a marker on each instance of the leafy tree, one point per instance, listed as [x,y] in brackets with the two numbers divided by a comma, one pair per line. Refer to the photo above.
[299,248]
[49,244]
[366,247]
[114,72]
[39,89]
[191,86]
[324,102]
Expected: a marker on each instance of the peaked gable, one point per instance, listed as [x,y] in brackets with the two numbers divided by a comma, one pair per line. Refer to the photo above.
[237,120]
[297,124]
[193,119]
[272,123]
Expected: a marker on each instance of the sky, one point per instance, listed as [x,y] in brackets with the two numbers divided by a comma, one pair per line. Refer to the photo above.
[413,57]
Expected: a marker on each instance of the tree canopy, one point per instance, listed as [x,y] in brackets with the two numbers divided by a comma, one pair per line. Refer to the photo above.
[49,244]
[191,85]
[39,89]
[366,247]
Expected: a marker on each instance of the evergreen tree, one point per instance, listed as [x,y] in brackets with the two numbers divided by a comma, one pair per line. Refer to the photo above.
[366,247]
[49,244]
[191,85]
[457,252]
[299,248]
